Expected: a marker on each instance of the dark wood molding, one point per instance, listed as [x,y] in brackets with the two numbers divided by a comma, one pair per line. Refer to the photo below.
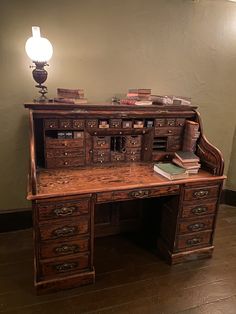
[15,220]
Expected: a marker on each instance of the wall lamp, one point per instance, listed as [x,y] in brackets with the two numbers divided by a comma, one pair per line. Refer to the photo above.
[40,51]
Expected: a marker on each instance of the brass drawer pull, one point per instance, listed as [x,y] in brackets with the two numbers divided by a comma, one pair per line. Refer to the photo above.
[65,231]
[201,193]
[66,266]
[66,249]
[139,194]
[199,210]
[196,227]
[194,241]
[64,211]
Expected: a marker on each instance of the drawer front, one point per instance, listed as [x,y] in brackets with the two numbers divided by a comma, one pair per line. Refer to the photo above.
[133,141]
[78,124]
[58,143]
[165,131]
[170,122]
[60,153]
[180,122]
[65,265]
[196,225]
[201,193]
[65,162]
[202,209]
[50,124]
[160,122]
[115,123]
[117,156]
[65,123]
[92,124]
[62,209]
[101,142]
[65,229]
[192,241]
[144,193]
[131,157]
[55,248]
[101,156]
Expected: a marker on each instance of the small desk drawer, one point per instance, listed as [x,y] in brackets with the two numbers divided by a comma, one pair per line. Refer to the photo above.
[199,193]
[65,162]
[65,124]
[165,131]
[78,124]
[55,248]
[58,143]
[50,124]
[133,141]
[101,142]
[201,209]
[65,229]
[144,193]
[191,241]
[62,153]
[196,225]
[65,265]
[61,210]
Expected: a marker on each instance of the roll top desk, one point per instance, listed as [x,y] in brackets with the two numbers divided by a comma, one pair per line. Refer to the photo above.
[91,175]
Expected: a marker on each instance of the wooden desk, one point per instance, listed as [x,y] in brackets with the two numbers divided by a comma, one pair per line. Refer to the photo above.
[98,182]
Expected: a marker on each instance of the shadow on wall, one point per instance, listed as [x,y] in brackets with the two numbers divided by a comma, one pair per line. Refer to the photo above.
[231,181]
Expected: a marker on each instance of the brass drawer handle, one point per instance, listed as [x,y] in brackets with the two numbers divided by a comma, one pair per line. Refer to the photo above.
[66,266]
[65,231]
[66,249]
[196,226]
[194,241]
[139,194]
[199,210]
[201,193]
[64,211]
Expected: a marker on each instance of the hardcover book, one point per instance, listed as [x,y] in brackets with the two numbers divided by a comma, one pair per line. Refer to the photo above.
[170,171]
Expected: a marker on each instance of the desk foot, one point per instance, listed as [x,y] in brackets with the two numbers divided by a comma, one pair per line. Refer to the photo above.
[187,256]
[67,282]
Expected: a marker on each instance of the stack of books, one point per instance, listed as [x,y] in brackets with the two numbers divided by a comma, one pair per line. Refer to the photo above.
[137,96]
[170,100]
[188,161]
[170,171]
[191,134]
[70,96]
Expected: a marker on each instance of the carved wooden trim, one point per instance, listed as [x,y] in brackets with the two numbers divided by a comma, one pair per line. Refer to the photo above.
[211,157]
[32,174]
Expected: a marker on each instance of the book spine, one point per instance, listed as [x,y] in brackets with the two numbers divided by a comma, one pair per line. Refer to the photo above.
[191,135]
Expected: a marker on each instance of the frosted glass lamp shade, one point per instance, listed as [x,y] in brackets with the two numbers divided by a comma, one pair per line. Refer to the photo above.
[38,49]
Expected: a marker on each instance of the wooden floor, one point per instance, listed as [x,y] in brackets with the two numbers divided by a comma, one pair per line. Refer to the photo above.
[129,278]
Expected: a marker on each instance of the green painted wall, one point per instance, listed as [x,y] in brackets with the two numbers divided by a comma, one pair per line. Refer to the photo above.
[180,47]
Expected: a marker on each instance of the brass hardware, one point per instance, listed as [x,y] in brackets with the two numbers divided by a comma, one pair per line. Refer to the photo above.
[199,210]
[66,249]
[196,226]
[169,131]
[201,193]
[139,194]
[194,241]
[66,163]
[65,153]
[64,211]
[66,266]
[63,232]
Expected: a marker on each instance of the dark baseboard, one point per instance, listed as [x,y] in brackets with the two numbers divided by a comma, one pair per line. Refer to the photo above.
[22,218]
[228,197]
[15,220]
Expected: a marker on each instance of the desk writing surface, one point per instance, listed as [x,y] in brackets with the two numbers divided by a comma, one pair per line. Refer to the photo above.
[61,182]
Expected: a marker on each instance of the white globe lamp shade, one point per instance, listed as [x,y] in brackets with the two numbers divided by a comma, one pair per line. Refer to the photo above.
[38,49]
